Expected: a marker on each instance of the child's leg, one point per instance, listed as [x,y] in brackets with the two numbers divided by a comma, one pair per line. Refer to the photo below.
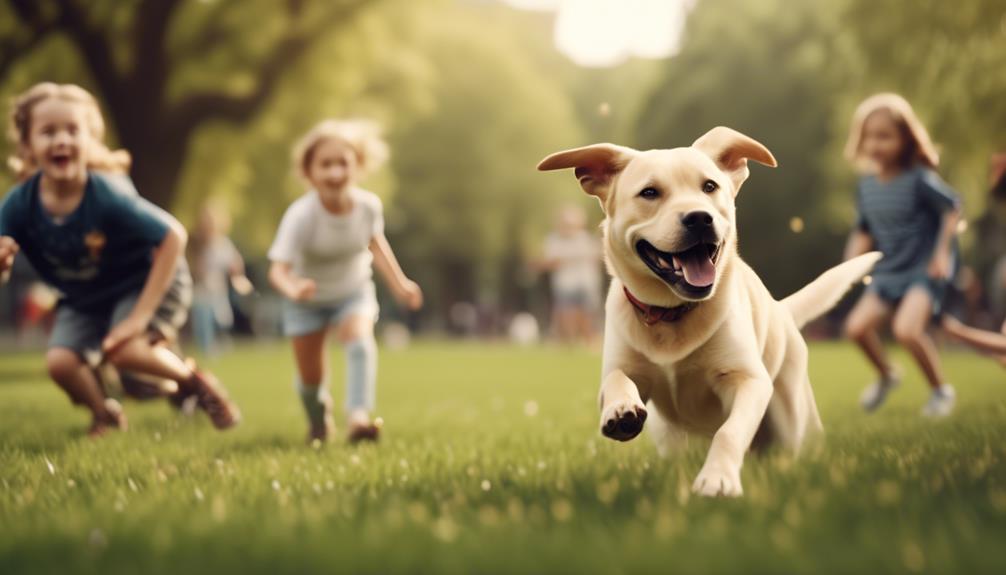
[309,351]
[985,341]
[356,333]
[910,322]
[139,355]
[861,327]
[77,379]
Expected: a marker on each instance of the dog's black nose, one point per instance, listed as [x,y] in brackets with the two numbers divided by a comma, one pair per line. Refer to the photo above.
[697,220]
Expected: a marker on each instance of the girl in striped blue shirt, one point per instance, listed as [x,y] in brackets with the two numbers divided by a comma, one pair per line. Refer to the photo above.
[910,215]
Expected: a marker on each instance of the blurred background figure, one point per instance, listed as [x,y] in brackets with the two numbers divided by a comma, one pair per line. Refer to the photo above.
[36,313]
[217,268]
[572,255]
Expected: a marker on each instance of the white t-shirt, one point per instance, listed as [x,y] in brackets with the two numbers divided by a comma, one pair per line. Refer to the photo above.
[578,256]
[331,249]
[212,272]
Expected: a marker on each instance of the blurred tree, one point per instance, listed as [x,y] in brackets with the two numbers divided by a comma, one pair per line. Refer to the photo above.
[166,67]
[763,68]
[470,207]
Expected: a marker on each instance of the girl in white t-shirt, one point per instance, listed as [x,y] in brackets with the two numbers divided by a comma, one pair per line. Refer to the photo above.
[327,243]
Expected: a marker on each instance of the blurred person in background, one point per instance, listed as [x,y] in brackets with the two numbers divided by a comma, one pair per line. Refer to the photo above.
[217,267]
[572,256]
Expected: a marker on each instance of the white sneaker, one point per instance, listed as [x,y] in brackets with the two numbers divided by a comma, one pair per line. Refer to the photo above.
[941,402]
[875,395]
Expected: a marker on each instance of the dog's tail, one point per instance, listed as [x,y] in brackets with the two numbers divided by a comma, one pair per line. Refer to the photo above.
[820,295]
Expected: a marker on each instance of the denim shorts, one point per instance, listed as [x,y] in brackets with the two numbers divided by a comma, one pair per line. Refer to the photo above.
[83,332]
[893,288]
[302,318]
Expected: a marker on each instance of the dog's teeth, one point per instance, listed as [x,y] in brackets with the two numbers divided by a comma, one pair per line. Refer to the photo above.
[677,263]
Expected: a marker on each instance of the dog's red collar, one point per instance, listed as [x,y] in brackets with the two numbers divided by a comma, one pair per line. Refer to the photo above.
[652,314]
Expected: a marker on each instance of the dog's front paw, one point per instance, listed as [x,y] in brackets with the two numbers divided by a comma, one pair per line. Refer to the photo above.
[718,480]
[623,420]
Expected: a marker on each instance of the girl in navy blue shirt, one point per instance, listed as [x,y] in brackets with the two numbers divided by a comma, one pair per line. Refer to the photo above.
[112,255]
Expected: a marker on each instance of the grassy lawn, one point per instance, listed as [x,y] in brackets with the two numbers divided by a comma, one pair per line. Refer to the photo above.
[492,462]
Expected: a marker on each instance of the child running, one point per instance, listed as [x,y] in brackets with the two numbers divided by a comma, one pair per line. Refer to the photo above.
[322,256]
[910,215]
[113,256]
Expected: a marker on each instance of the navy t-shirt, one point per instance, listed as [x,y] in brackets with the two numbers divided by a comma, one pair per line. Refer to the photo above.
[95,255]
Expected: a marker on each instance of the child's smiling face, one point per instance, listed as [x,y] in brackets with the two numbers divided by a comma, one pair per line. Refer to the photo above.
[333,166]
[883,141]
[58,139]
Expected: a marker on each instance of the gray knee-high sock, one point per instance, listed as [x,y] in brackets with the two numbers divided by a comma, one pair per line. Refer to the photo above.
[361,374]
[316,399]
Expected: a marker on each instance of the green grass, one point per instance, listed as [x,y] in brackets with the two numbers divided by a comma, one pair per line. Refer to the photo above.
[492,462]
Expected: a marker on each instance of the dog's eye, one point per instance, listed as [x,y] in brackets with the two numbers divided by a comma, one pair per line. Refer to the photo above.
[710,186]
[649,194]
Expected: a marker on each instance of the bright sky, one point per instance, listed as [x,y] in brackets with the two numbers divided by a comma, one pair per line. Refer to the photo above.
[601,33]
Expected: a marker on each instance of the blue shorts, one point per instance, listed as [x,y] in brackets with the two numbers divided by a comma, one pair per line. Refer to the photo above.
[892,288]
[302,318]
[83,332]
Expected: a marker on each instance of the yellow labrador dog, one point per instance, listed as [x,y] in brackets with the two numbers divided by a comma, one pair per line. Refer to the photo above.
[690,327]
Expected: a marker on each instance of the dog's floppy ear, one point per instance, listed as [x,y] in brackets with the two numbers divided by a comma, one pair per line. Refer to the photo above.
[731,151]
[596,166]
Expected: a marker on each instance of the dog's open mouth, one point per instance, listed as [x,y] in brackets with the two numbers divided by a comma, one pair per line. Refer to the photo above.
[692,271]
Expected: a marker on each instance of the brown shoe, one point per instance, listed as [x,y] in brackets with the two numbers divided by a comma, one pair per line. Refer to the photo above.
[321,433]
[365,430]
[114,418]
[212,399]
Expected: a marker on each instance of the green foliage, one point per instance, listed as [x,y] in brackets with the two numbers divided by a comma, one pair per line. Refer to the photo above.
[469,201]
[491,462]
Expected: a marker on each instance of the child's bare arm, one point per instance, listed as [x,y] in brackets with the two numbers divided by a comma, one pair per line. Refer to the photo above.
[986,341]
[162,272]
[405,290]
[859,243]
[8,249]
[939,265]
[289,285]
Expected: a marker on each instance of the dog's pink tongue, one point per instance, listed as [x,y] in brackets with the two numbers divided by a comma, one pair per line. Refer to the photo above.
[698,268]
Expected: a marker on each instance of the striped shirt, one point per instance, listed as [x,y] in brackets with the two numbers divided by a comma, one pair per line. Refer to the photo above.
[904,217]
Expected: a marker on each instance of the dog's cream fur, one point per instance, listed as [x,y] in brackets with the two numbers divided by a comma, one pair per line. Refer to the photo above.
[736,364]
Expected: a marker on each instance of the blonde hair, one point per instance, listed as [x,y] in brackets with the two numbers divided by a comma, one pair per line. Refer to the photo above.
[362,136]
[918,146]
[100,157]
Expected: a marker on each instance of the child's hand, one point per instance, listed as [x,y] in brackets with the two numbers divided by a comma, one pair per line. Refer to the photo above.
[303,289]
[8,249]
[242,285]
[122,332]
[939,266]
[410,295]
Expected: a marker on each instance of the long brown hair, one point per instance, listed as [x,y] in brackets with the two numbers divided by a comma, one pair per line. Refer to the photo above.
[100,157]
[919,147]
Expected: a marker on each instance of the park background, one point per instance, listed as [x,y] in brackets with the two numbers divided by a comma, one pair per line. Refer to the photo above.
[491,460]
[209,96]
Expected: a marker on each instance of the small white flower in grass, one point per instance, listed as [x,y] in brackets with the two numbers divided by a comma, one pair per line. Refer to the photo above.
[531,408]
[486,485]
[275,485]
[198,493]
[132,485]
[50,466]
